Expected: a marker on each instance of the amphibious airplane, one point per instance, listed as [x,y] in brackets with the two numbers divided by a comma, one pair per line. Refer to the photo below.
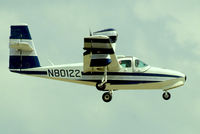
[101,66]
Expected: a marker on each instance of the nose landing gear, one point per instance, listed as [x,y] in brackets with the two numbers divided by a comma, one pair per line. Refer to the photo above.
[107,96]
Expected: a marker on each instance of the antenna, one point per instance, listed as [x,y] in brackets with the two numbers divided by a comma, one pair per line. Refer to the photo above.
[50,62]
[90,32]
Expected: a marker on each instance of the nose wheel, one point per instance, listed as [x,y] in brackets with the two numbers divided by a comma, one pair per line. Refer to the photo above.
[107,96]
[166,95]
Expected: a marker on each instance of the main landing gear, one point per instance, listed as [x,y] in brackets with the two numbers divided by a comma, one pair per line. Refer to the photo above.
[101,85]
[107,96]
[166,95]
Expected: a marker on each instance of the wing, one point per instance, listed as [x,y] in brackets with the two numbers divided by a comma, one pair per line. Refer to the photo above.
[99,54]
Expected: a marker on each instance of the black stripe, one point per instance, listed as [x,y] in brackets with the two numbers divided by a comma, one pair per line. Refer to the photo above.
[99,51]
[102,51]
[86,52]
[31,72]
[122,82]
[131,74]
[89,40]
[100,62]
[113,39]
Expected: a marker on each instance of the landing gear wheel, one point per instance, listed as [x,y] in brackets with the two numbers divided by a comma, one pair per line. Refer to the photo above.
[166,95]
[107,97]
[100,87]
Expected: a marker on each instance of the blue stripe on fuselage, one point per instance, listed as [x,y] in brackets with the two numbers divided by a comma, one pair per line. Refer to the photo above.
[31,72]
[131,74]
[109,73]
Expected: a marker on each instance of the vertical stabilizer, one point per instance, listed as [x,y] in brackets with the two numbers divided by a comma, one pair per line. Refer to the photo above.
[22,51]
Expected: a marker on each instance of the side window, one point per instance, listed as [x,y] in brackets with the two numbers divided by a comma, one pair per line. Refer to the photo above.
[140,64]
[125,63]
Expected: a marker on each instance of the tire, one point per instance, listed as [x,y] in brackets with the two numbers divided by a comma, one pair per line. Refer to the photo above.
[166,95]
[101,88]
[107,97]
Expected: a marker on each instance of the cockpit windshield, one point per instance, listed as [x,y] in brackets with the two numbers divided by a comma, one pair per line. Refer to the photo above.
[140,64]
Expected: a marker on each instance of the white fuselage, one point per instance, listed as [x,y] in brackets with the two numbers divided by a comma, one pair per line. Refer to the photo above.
[152,78]
[101,66]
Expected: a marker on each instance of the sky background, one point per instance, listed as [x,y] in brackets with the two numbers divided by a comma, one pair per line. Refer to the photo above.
[163,33]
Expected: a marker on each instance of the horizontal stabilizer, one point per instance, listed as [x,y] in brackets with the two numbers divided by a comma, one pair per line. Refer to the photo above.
[23,46]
